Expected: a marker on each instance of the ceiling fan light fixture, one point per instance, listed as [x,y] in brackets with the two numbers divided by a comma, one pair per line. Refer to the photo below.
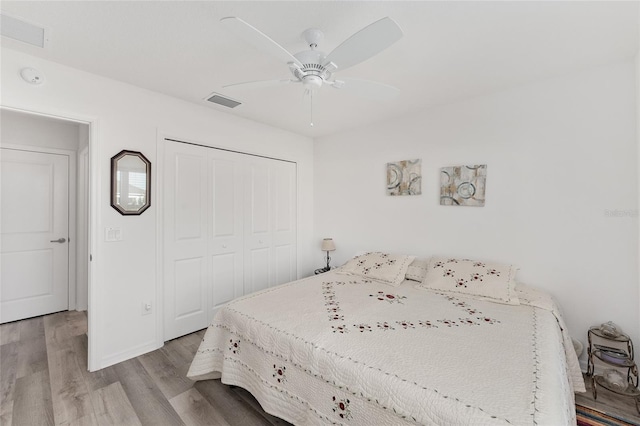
[312,82]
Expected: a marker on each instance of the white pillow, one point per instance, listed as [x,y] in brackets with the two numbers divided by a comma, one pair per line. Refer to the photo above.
[383,267]
[490,281]
[417,270]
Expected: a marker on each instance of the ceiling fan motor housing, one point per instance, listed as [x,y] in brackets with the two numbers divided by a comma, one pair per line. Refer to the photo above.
[313,73]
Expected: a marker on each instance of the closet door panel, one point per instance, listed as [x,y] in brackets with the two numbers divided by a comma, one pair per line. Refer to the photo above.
[223,279]
[284,206]
[260,269]
[185,239]
[227,218]
[258,235]
[284,258]
[189,275]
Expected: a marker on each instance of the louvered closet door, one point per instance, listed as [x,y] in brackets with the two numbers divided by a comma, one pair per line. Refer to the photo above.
[186,263]
[270,224]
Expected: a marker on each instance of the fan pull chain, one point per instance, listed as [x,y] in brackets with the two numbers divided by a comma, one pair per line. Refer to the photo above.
[311,115]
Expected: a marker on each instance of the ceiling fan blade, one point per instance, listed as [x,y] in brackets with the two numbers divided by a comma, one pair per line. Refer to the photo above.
[367,89]
[259,84]
[258,39]
[364,44]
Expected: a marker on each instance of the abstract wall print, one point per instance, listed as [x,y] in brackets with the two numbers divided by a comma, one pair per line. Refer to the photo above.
[404,177]
[463,185]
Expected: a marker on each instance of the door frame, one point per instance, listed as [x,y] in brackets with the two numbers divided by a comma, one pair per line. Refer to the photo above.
[93,219]
[72,207]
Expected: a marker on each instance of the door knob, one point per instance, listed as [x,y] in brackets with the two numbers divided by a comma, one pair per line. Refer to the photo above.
[59,240]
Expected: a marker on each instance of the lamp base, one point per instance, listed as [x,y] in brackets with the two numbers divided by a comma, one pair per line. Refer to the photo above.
[321,270]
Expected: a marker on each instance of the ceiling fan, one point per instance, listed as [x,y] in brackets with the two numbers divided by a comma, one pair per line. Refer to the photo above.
[312,68]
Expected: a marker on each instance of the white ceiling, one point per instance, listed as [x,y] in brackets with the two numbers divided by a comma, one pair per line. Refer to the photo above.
[450,50]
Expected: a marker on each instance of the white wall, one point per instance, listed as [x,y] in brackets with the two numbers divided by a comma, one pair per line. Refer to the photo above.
[126,273]
[35,131]
[561,153]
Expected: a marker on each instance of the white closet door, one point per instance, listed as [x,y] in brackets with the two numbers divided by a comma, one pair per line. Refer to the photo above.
[229,230]
[270,224]
[258,271]
[226,237]
[186,264]
[284,206]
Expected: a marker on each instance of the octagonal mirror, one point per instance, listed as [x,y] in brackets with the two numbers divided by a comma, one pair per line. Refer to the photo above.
[130,182]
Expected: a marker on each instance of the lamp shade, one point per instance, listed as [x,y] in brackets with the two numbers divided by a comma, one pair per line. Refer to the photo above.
[328,244]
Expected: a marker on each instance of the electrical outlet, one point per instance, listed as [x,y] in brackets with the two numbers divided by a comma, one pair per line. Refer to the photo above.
[146,308]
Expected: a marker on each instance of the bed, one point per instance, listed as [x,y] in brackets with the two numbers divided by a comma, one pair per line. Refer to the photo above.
[341,348]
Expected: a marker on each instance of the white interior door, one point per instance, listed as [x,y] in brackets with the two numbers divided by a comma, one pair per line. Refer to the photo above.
[34,227]
[186,264]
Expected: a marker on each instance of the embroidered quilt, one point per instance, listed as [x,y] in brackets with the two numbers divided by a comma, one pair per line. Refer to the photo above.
[337,349]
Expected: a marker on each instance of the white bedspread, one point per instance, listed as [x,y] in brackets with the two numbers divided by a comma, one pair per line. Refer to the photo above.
[338,349]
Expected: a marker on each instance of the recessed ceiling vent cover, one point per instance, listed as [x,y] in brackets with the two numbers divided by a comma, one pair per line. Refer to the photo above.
[23,31]
[221,100]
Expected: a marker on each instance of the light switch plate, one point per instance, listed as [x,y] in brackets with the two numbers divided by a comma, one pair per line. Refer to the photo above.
[112,234]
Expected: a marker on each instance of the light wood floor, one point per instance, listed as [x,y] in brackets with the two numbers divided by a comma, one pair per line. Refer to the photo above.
[44,381]
[608,402]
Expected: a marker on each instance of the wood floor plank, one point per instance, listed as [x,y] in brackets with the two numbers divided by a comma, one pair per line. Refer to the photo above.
[97,379]
[9,333]
[31,328]
[170,379]
[32,356]
[177,352]
[192,341]
[250,399]
[196,410]
[64,326]
[70,396]
[32,400]
[608,402]
[231,406]
[8,376]
[112,406]
[147,400]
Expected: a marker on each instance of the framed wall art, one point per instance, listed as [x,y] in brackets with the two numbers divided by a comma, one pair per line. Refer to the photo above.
[404,177]
[463,185]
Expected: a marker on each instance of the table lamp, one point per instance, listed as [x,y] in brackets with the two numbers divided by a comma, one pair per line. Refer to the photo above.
[328,245]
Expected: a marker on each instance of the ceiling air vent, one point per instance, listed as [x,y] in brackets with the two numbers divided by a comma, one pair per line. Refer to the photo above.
[23,31]
[221,100]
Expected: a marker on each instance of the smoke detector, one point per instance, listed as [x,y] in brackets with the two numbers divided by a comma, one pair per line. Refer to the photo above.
[32,76]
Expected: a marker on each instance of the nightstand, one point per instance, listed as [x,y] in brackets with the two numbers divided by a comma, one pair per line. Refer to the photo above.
[616,358]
